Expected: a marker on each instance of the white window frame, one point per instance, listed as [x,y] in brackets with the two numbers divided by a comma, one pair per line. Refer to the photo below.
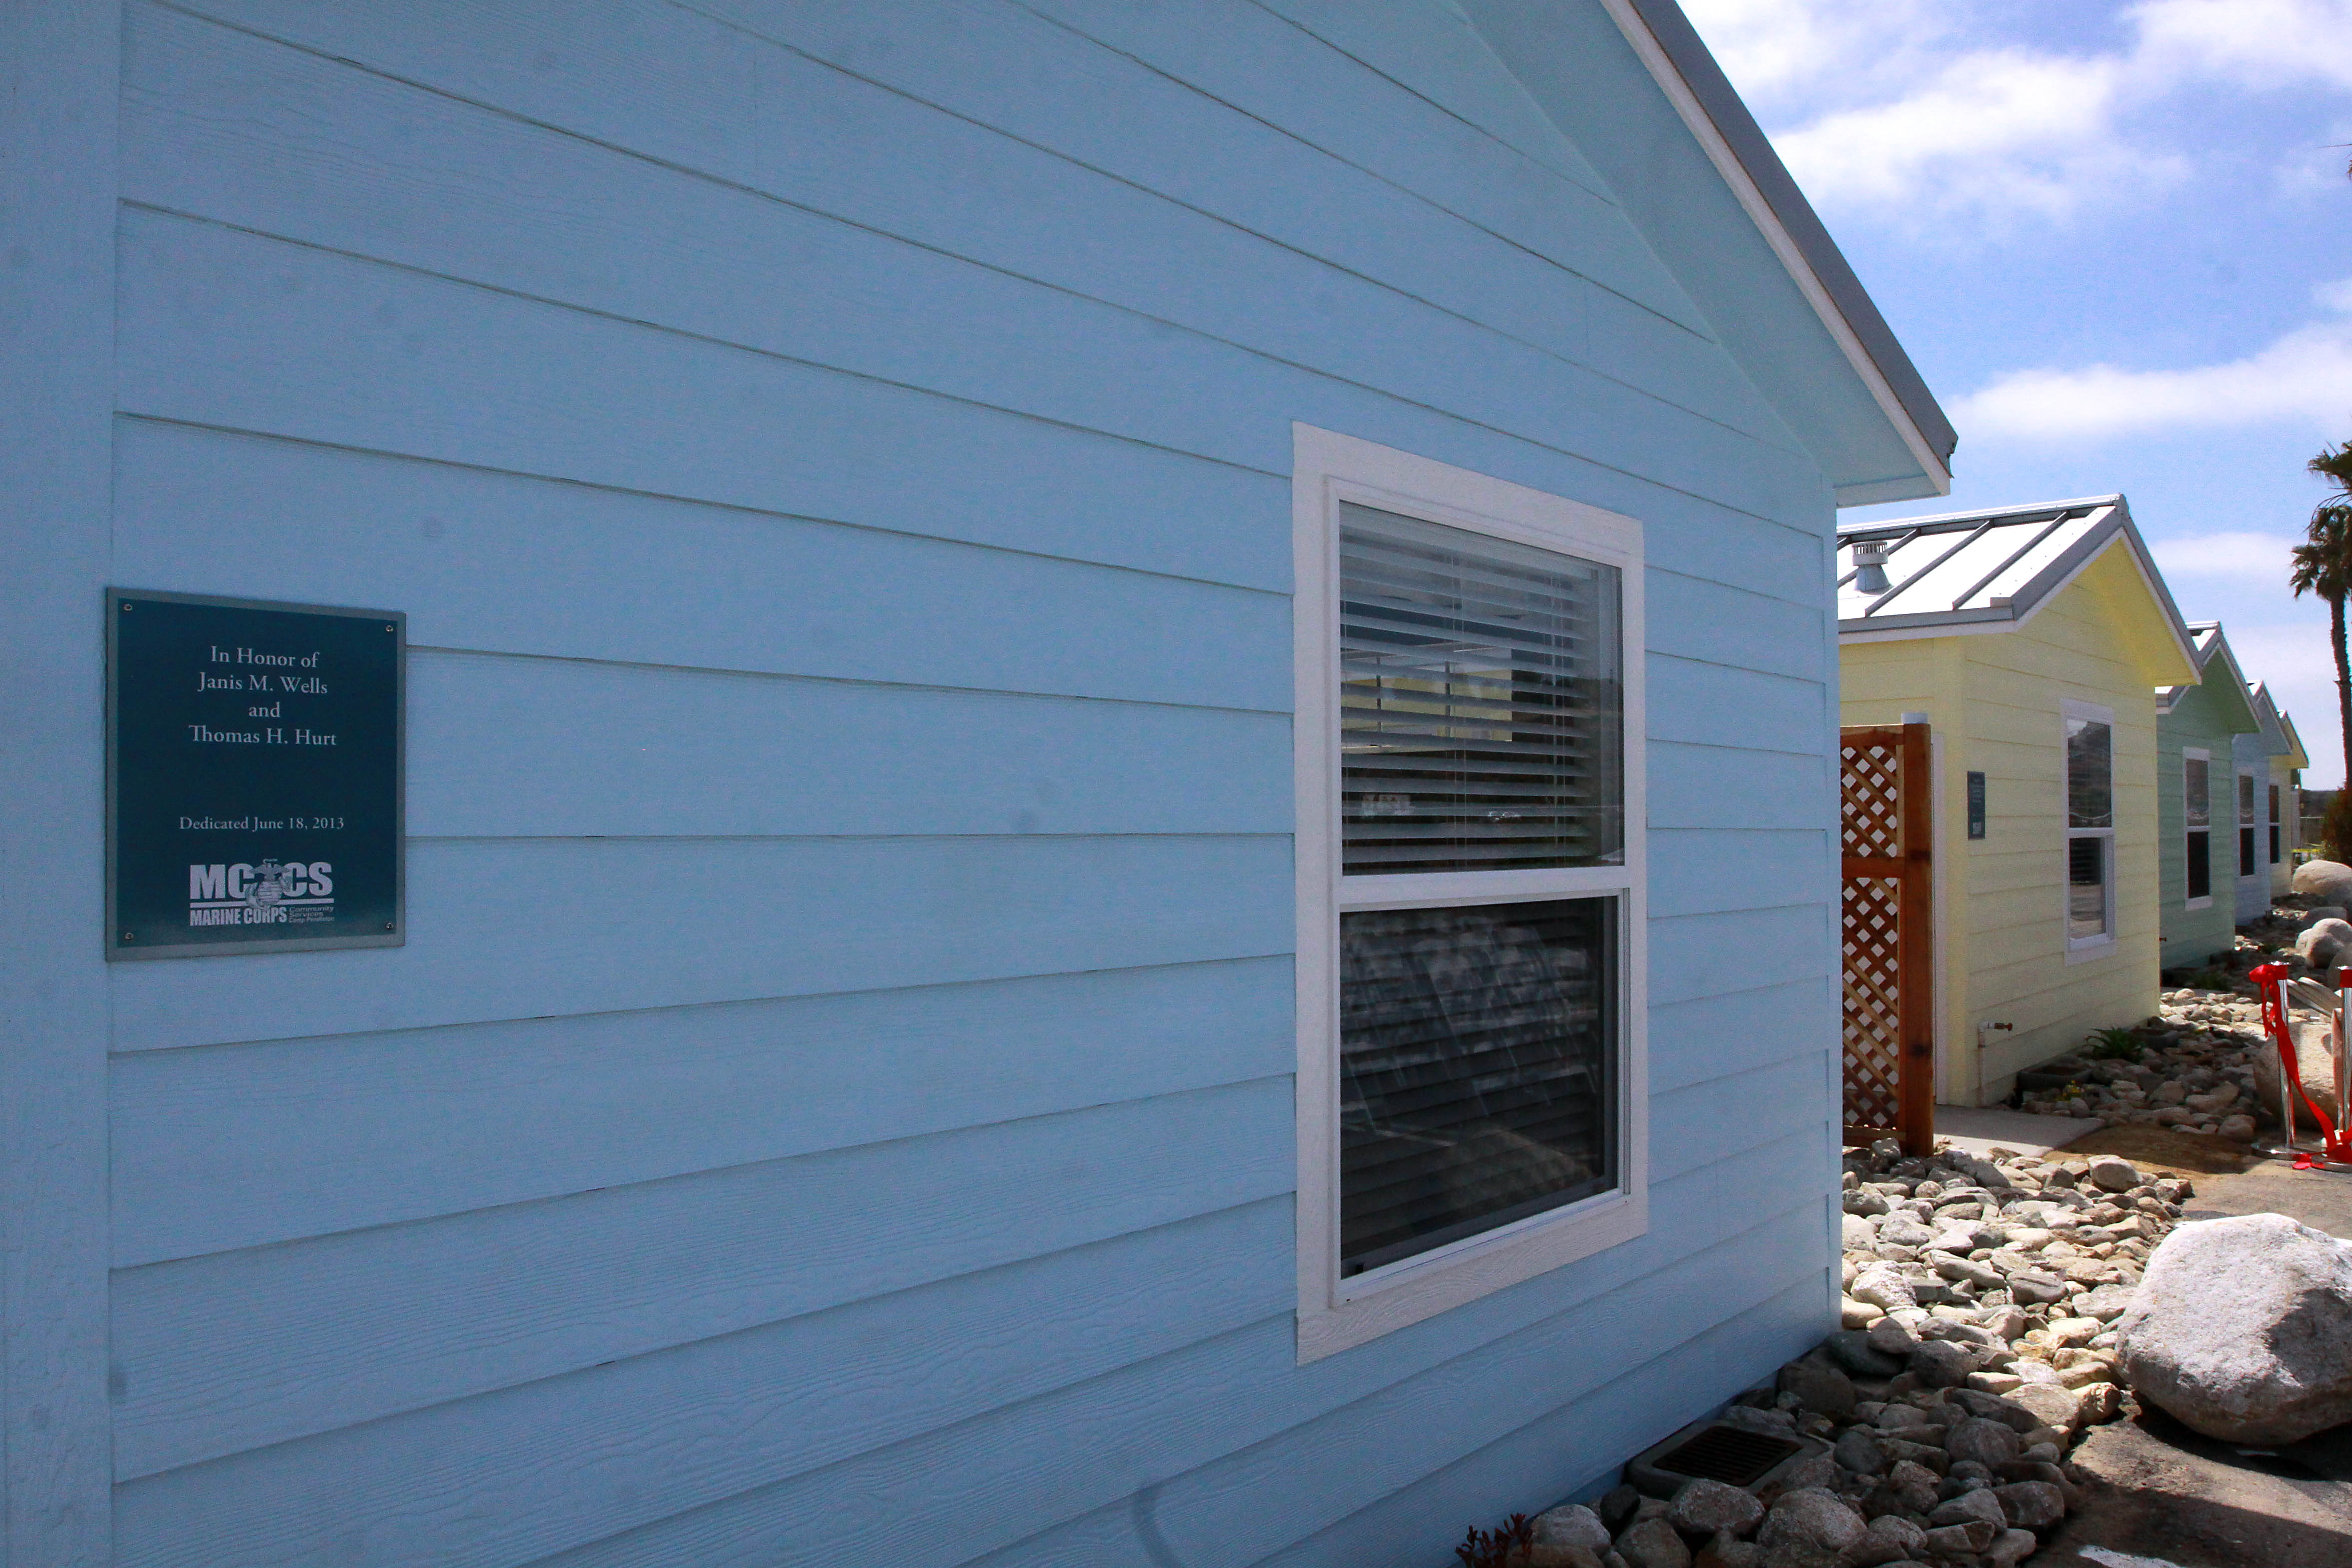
[2189,755]
[1336,1313]
[2246,813]
[2082,949]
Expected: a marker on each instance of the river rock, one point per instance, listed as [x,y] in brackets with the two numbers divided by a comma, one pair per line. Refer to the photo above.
[1858,1452]
[1710,1508]
[1979,1505]
[1857,1234]
[1809,1529]
[1959,1540]
[1939,1363]
[2049,1405]
[1988,1443]
[1883,1287]
[1853,1351]
[2328,880]
[1889,1539]
[2113,1173]
[1571,1524]
[2242,1329]
[1823,1390]
[2036,1285]
[2031,1504]
[1652,1543]
[1728,1552]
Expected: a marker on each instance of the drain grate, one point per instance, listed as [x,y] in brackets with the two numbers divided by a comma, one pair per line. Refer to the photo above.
[1732,1455]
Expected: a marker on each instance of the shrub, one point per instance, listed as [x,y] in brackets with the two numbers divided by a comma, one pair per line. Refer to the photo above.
[2117,1044]
[1497,1549]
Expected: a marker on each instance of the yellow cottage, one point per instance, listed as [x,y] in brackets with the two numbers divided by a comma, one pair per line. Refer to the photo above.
[2031,640]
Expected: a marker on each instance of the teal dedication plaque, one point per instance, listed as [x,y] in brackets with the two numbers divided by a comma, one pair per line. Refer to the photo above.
[254,757]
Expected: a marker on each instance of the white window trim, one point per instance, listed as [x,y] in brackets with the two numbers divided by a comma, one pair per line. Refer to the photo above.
[1336,1314]
[2189,755]
[2083,948]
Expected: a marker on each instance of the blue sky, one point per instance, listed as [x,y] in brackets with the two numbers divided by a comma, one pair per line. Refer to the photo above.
[2117,241]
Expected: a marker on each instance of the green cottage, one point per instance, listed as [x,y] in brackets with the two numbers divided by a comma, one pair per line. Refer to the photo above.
[2196,728]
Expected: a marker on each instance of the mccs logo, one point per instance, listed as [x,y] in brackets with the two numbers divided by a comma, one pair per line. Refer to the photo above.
[267,894]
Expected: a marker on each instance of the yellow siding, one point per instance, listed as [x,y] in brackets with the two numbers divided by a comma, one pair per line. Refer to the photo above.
[1994,700]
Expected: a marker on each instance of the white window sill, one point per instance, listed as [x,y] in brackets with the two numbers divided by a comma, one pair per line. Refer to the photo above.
[2204,903]
[2083,950]
[1386,1299]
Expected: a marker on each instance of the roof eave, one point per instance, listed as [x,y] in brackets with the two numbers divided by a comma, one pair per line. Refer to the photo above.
[1686,72]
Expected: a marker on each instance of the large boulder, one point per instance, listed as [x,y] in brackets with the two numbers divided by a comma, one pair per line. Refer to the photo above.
[2242,1329]
[2322,944]
[2330,880]
[2315,1062]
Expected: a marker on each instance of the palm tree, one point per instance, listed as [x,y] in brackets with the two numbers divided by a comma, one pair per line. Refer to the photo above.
[2323,565]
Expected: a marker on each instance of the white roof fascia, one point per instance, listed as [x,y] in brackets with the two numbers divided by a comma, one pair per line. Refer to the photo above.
[2267,713]
[1735,175]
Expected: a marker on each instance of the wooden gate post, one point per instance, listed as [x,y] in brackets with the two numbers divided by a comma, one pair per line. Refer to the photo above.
[1889,921]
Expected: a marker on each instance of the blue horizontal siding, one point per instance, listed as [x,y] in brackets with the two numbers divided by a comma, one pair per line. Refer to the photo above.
[228,329]
[1415,1525]
[243,1349]
[232,1146]
[1099,1445]
[557,1462]
[1281,76]
[1733,1032]
[835,462]
[1433,52]
[1695,870]
[516,929]
[1359,1455]
[499,747]
[502,563]
[1704,703]
[1397,358]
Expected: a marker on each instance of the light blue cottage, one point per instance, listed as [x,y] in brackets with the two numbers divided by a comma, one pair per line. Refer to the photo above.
[1120,731]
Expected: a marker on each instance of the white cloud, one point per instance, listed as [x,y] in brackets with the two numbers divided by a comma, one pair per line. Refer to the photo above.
[2196,557]
[2305,376]
[1996,127]
[1884,104]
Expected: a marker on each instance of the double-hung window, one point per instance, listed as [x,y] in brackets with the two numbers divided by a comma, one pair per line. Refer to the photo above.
[2274,825]
[2090,828]
[1468,754]
[2197,814]
[2245,823]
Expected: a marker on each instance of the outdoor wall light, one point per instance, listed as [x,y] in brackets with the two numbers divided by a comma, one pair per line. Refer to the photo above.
[1870,566]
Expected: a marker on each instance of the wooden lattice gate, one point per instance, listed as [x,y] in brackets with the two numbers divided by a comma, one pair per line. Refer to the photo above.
[1890,938]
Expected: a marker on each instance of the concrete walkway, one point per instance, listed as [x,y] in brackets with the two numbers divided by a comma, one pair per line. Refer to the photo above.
[1980,1130]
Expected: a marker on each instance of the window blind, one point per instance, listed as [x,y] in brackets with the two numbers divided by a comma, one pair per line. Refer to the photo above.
[1477,1080]
[1481,701]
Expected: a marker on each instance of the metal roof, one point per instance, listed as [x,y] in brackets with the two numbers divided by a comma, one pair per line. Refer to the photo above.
[1985,571]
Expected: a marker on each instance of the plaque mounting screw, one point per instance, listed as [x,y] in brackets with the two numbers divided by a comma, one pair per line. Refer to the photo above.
[130,936]
[387,925]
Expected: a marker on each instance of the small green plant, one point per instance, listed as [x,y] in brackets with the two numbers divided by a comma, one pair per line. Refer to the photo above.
[2116,1044]
[1497,1549]
[2209,980]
